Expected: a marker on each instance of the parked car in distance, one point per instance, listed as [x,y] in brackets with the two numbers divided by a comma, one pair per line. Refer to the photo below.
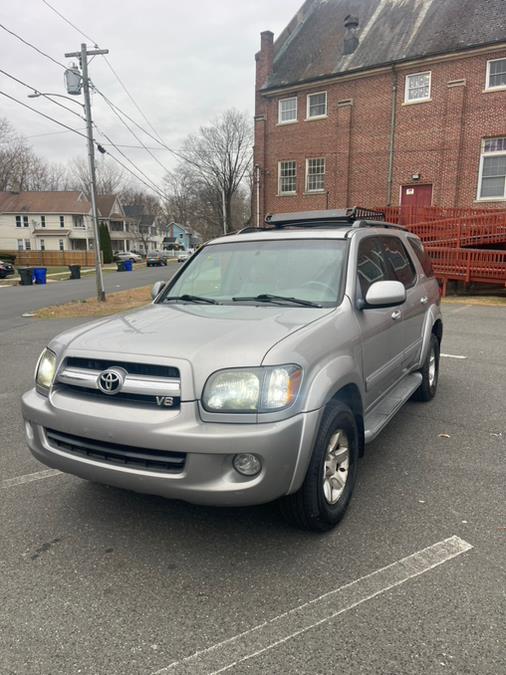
[260,372]
[156,258]
[6,269]
[127,255]
[182,256]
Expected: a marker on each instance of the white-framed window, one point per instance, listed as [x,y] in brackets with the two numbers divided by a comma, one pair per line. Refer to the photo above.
[62,221]
[316,105]
[496,74]
[492,178]
[287,172]
[418,87]
[78,222]
[61,244]
[24,245]
[315,175]
[43,221]
[21,221]
[287,110]
[42,245]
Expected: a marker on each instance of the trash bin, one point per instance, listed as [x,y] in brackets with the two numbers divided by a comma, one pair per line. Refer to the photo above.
[39,274]
[121,266]
[26,274]
[75,271]
[128,265]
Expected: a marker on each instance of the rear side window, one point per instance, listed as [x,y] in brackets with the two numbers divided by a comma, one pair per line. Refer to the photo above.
[422,256]
[399,265]
[370,263]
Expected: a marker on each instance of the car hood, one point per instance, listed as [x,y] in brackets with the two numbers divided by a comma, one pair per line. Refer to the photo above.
[208,338]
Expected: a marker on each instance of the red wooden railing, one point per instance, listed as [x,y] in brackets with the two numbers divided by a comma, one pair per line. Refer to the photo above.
[475,230]
[469,265]
[451,236]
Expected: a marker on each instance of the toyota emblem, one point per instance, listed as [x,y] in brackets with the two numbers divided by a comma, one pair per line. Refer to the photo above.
[111,380]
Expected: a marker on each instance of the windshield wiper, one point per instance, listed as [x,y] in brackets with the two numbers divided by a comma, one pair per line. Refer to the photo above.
[191,298]
[268,297]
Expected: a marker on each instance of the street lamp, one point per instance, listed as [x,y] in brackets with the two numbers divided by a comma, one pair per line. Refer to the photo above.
[37,94]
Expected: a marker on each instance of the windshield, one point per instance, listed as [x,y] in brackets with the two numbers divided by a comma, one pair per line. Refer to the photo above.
[277,271]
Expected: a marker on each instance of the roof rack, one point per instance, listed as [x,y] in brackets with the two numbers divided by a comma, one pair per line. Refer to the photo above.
[317,218]
[358,216]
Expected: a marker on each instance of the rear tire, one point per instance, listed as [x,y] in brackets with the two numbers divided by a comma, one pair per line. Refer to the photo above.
[323,498]
[430,373]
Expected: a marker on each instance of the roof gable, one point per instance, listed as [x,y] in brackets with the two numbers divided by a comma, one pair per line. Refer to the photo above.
[44,202]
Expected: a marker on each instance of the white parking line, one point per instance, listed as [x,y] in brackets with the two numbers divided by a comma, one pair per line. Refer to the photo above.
[28,478]
[227,654]
[452,356]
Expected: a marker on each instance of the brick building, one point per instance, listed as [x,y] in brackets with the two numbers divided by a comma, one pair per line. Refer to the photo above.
[383,102]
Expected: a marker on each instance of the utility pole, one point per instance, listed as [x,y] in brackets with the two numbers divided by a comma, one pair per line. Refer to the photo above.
[224,209]
[83,57]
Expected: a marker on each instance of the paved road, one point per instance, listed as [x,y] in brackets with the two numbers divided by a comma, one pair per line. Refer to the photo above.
[96,580]
[17,300]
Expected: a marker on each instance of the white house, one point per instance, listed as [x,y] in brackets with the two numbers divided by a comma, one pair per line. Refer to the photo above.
[45,221]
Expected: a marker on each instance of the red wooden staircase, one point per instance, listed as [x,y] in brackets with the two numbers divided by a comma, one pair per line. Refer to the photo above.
[456,240]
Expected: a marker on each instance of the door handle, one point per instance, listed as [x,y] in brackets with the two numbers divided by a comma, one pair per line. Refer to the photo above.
[396,315]
[424,300]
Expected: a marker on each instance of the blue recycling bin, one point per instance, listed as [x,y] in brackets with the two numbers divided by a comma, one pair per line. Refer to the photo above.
[39,274]
[128,265]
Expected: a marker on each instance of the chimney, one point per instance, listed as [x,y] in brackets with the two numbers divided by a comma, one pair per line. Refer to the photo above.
[350,34]
[265,57]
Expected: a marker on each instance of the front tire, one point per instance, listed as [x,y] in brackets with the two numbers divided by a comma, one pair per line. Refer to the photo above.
[430,373]
[323,498]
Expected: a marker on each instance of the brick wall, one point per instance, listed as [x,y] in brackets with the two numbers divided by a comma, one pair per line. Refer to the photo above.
[440,139]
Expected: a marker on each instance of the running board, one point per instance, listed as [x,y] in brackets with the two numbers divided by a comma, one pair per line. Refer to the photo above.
[382,413]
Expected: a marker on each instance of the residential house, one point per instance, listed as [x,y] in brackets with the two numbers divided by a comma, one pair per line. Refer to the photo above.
[45,221]
[180,236]
[144,228]
[112,214]
[379,103]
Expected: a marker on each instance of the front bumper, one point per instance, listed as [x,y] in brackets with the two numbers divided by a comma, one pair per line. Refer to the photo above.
[208,476]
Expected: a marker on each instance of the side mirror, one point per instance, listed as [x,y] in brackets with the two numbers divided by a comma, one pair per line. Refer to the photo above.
[385,294]
[157,289]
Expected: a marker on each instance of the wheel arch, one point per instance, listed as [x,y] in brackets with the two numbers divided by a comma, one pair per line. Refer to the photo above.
[350,394]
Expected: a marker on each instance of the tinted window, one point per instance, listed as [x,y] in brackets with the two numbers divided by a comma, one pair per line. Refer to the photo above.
[400,267]
[370,263]
[424,259]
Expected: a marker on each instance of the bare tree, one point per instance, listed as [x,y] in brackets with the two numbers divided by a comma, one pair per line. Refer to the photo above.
[110,177]
[220,156]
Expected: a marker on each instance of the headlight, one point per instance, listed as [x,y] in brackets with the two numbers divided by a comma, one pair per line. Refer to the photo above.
[46,369]
[253,389]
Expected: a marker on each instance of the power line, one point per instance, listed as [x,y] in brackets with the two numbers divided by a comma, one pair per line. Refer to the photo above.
[28,86]
[131,172]
[154,187]
[114,72]
[48,117]
[113,108]
[70,23]
[162,144]
[29,44]
[50,133]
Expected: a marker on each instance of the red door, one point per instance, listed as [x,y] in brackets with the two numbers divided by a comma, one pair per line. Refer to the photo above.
[413,199]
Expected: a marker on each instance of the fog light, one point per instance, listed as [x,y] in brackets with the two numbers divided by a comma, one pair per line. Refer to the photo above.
[29,431]
[247,464]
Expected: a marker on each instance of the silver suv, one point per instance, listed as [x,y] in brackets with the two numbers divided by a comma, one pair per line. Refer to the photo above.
[259,372]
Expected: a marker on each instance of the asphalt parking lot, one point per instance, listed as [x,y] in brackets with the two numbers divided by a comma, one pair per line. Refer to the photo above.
[98,580]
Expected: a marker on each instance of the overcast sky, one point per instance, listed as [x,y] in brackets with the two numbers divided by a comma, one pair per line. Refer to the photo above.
[183,62]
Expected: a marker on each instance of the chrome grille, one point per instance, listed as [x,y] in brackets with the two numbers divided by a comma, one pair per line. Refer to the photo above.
[143,384]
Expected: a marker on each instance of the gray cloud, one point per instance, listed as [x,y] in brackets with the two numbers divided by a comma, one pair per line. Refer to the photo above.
[183,62]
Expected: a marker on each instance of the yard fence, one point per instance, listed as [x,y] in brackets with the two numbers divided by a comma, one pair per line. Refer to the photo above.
[52,258]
